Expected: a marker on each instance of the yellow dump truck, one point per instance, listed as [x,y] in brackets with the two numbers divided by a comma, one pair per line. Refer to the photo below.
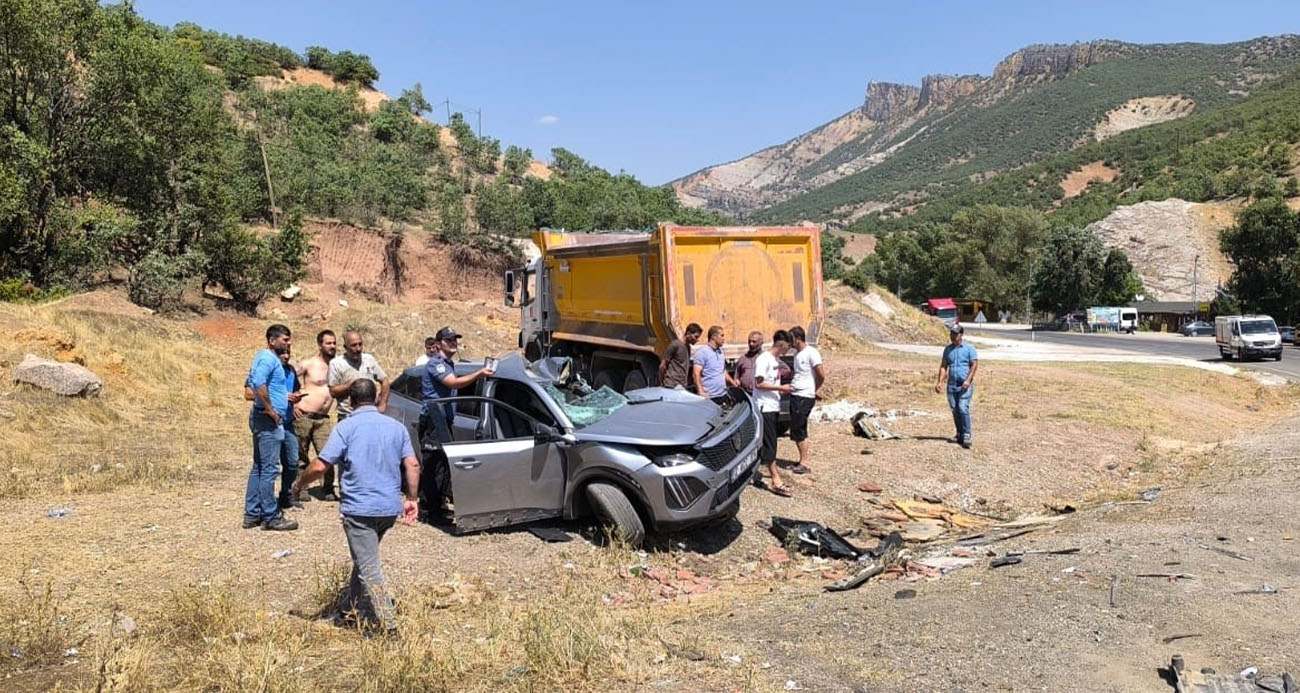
[614,301]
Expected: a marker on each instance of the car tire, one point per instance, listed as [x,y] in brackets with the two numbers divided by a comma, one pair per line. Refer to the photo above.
[1278,357]
[635,380]
[615,511]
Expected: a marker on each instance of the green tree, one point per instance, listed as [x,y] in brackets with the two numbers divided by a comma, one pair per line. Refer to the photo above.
[515,163]
[1120,283]
[1264,248]
[1070,271]
[499,207]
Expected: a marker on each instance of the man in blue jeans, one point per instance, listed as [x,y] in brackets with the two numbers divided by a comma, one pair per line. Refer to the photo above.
[959,363]
[266,421]
[374,455]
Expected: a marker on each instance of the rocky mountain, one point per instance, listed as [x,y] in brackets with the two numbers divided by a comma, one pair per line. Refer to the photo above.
[1038,101]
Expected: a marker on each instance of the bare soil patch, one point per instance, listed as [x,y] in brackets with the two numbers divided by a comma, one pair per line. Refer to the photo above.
[1075,183]
[1139,112]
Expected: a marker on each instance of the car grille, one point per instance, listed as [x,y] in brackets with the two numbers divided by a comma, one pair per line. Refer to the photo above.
[1263,344]
[723,453]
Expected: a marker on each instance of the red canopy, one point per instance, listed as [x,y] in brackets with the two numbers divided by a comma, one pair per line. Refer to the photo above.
[941,304]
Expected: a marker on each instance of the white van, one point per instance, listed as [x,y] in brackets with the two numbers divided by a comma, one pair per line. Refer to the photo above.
[1128,320]
[1244,336]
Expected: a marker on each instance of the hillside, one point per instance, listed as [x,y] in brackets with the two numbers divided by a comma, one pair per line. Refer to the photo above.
[907,142]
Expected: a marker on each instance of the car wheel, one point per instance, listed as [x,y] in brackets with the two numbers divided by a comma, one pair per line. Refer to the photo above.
[1278,357]
[635,380]
[615,511]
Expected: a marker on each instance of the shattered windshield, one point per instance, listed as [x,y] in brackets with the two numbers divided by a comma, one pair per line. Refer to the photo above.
[1258,327]
[585,410]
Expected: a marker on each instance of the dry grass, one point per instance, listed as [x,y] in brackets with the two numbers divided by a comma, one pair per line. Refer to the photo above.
[212,638]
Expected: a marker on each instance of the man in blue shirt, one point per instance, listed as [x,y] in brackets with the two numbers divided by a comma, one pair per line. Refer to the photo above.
[958,366]
[710,368]
[439,381]
[373,454]
[289,450]
[267,422]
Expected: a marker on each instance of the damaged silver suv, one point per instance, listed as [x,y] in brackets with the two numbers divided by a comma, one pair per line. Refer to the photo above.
[533,442]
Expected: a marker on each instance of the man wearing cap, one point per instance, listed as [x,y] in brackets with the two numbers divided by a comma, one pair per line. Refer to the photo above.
[440,381]
[958,365]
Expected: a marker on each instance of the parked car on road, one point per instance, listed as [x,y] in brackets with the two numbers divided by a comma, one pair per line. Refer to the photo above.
[533,442]
[1287,332]
[1196,328]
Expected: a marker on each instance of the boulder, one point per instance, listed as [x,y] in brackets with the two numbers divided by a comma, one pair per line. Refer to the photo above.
[70,379]
[290,293]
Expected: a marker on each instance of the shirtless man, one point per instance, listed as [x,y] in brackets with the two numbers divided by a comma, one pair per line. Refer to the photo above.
[311,421]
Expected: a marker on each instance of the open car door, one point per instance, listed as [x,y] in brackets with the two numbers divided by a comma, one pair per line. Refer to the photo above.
[514,472]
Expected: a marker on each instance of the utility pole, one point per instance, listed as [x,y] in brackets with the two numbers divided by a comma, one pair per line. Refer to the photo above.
[266,168]
[447,102]
[479,112]
[1195,266]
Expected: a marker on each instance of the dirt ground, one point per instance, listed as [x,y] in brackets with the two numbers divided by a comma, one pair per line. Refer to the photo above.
[714,609]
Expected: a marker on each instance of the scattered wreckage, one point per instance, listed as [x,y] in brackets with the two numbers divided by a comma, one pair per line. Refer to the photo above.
[534,441]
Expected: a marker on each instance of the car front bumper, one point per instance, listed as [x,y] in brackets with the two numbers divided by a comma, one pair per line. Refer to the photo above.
[693,494]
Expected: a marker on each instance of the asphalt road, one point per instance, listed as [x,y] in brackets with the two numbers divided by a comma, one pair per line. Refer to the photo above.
[1199,348]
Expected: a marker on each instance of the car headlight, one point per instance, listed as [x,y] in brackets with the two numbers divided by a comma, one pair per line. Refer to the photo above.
[673,459]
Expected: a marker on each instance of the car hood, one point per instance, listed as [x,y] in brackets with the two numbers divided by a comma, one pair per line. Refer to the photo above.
[656,416]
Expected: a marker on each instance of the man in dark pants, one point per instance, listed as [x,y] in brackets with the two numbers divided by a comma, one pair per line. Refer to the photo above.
[767,392]
[374,456]
[675,368]
[809,376]
[440,381]
[266,421]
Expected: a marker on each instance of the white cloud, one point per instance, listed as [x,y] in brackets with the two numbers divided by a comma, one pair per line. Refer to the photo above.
[548,120]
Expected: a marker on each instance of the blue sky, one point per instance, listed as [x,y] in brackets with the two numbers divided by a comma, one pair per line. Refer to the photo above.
[662,89]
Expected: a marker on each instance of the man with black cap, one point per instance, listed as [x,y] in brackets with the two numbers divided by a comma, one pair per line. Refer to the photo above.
[439,381]
[958,365]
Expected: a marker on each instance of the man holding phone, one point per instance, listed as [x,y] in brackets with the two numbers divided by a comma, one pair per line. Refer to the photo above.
[440,381]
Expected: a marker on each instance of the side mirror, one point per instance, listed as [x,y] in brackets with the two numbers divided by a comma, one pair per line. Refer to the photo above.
[510,288]
[549,434]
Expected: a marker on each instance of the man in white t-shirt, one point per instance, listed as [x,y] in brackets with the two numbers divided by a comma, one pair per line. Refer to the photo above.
[767,392]
[809,375]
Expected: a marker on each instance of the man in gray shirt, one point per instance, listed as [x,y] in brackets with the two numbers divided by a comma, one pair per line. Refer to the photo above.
[353,364]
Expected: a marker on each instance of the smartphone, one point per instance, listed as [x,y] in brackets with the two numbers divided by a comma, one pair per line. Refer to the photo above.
[490,363]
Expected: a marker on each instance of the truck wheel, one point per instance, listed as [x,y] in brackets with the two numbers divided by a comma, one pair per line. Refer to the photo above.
[635,380]
[615,511]
[611,379]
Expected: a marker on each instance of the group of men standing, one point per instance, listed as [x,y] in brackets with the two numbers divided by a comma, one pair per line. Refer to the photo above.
[760,372]
[377,471]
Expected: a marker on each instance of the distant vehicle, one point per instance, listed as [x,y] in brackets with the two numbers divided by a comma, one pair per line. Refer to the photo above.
[943,308]
[1113,318]
[1244,336]
[1287,332]
[532,441]
[1196,328]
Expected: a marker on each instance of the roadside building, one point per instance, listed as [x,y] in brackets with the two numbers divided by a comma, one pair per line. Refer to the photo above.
[1167,316]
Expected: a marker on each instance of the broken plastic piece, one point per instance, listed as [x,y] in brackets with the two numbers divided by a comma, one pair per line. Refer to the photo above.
[812,538]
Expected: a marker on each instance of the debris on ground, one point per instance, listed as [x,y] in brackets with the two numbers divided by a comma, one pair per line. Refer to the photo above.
[868,425]
[282,553]
[58,512]
[1208,681]
[1226,552]
[920,521]
[550,535]
[872,562]
[812,538]
[1004,560]
[670,584]
[868,487]
[1149,494]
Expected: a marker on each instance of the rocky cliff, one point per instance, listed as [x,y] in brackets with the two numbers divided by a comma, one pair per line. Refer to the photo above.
[868,135]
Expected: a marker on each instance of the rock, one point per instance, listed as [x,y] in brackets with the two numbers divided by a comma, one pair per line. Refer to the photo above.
[125,624]
[343,302]
[776,556]
[868,487]
[67,379]
[291,293]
